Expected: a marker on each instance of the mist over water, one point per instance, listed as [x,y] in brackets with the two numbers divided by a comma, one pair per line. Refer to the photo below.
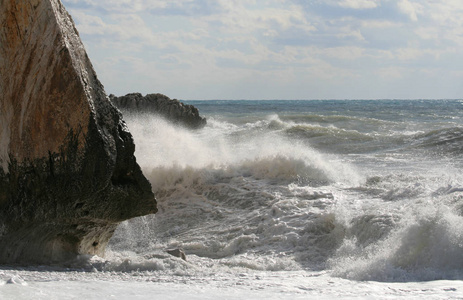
[362,190]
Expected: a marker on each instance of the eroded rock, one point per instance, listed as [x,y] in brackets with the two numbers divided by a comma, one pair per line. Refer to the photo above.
[170,109]
[68,175]
[177,253]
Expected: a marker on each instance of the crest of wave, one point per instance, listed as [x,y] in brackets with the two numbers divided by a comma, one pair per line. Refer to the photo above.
[235,150]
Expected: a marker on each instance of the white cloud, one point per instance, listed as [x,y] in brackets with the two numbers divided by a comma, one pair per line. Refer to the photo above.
[379,24]
[359,4]
[408,54]
[270,49]
[408,8]
[345,53]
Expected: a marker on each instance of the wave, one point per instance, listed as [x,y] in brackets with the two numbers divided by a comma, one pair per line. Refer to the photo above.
[410,230]
[338,120]
[426,245]
[223,194]
[241,222]
[277,169]
[326,137]
[252,196]
[441,141]
[354,139]
[223,147]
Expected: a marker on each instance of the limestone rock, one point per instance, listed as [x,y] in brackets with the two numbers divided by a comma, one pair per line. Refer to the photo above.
[68,175]
[171,109]
[177,253]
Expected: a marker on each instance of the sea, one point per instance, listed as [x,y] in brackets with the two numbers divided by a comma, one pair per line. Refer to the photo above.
[314,199]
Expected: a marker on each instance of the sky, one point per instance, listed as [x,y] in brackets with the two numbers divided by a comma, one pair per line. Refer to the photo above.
[275,49]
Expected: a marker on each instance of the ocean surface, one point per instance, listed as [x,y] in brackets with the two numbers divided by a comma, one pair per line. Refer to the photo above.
[285,200]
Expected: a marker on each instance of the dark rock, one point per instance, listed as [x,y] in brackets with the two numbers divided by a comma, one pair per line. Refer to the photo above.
[171,109]
[68,175]
[177,253]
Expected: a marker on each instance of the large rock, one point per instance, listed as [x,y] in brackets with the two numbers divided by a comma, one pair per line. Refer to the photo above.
[68,175]
[171,109]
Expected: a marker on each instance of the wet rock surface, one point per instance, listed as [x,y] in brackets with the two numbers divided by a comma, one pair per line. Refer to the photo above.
[171,109]
[68,175]
[177,253]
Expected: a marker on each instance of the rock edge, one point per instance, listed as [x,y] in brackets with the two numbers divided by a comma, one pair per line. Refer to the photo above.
[68,175]
[171,109]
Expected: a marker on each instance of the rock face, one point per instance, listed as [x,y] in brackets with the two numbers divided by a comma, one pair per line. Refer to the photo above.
[171,109]
[177,253]
[68,175]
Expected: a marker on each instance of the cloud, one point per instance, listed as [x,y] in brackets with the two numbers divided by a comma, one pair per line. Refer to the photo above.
[359,4]
[278,48]
[158,7]
[408,8]
[115,6]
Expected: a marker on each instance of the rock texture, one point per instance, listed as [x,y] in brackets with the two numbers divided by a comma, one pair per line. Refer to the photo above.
[171,109]
[177,253]
[68,175]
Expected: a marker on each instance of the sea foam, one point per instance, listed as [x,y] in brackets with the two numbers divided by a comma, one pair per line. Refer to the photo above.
[248,193]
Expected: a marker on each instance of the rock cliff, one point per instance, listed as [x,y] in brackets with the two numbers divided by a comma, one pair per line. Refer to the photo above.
[171,109]
[68,175]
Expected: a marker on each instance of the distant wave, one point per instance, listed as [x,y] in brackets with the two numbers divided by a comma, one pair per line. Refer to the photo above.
[324,133]
[441,141]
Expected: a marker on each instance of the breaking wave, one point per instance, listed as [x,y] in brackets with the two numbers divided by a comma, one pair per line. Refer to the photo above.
[275,194]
